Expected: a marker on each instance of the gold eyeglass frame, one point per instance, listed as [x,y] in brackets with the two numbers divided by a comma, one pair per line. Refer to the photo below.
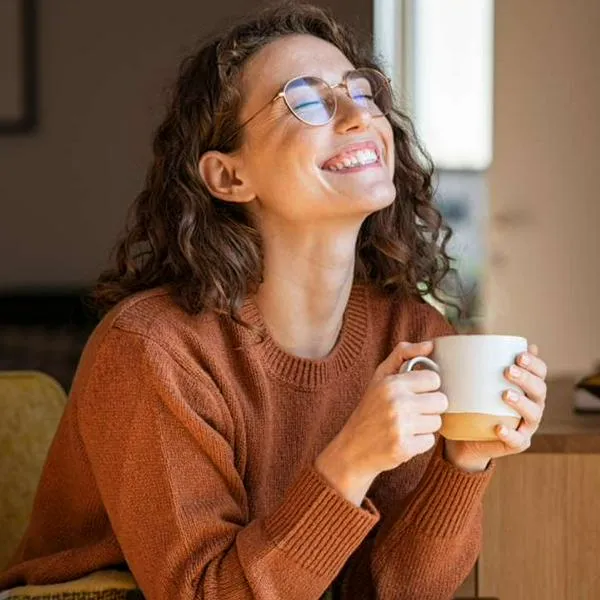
[342,84]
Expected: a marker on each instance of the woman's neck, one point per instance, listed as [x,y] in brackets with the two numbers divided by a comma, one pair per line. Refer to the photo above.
[304,320]
[305,292]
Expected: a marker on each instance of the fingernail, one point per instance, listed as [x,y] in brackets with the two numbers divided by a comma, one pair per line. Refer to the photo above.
[503,430]
[524,359]
[515,372]
[512,396]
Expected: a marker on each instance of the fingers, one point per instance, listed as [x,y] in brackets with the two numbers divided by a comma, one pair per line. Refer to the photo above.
[403,351]
[426,424]
[529,375]
[515,440]
[431,404]
[533,364]
[529,410]
[532,385]
[410,349]
[418,382]
[422,443]
[520,439]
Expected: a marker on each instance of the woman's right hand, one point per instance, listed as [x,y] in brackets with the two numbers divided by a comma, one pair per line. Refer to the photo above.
[394,421]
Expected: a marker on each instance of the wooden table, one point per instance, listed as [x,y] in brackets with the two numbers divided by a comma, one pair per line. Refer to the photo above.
[562,429]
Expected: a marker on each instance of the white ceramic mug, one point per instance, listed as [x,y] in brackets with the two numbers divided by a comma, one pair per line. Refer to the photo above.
[471,369]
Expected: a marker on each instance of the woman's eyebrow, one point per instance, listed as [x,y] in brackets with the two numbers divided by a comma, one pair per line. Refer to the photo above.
[332,80]
[329,80]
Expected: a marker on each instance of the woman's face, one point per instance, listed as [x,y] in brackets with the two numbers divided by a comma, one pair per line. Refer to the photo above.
[288,162]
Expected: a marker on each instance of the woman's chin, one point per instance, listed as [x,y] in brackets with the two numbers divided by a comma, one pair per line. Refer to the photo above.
[374,197]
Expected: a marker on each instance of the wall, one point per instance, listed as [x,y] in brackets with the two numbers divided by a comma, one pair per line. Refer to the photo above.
[65,189]
[544,274]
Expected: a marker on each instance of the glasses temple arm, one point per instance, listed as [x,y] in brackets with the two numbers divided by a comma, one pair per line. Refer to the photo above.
[238,129]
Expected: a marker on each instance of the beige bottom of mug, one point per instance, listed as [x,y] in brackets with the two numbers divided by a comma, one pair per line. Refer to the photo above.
[475,426]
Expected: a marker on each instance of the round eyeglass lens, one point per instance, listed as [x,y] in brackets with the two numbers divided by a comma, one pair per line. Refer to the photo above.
[370,88]
[310,99]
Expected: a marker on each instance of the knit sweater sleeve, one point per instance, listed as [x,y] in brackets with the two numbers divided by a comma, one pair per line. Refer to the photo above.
[427,546]
[428,541]
[161,445]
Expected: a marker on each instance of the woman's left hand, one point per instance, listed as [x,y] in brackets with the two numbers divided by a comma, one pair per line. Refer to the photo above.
[529,374]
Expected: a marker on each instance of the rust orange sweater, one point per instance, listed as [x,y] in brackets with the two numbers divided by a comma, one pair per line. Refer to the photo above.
[191,462]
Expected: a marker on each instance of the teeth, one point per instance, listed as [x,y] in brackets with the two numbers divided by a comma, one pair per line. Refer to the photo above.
[360,157]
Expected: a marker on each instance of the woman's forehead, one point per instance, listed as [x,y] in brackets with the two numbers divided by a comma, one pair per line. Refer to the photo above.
[292,56]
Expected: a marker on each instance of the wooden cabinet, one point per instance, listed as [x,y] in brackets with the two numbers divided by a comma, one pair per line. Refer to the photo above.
[541,533]
[542,529]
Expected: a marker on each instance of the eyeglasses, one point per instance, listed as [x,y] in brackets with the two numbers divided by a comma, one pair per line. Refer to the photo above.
[313,101]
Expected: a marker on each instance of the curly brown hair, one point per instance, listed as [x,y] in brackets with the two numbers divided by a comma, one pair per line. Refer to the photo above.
[208,251]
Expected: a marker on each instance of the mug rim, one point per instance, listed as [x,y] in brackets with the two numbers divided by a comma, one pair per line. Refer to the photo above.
[481,336]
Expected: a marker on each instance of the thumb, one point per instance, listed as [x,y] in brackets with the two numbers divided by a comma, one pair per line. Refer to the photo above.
[402,352]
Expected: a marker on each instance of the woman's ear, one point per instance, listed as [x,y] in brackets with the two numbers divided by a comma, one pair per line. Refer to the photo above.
[221,175]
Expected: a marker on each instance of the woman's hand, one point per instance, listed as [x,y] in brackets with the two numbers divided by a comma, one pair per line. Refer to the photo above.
[394,421]
[530,374]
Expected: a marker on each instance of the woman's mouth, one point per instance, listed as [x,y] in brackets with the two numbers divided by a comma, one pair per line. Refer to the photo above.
[356,157]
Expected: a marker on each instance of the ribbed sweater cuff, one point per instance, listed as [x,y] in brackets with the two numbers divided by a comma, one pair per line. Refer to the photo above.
[446,497]
[318,527]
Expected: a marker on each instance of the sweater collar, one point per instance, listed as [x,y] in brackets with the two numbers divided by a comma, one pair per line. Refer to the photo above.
[306,373]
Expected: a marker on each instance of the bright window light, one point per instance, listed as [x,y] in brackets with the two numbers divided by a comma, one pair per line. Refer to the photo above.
[442,58]
[387,24]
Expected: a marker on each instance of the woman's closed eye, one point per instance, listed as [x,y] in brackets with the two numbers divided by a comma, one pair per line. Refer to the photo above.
[362,98]
[308,104]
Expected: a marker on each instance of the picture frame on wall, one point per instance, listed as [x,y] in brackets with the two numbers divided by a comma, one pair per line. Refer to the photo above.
[18,67]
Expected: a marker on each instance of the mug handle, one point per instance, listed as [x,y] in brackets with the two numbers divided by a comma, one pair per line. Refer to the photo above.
[409,365]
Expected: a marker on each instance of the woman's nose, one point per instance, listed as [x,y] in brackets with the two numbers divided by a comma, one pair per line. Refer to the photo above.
[350,115]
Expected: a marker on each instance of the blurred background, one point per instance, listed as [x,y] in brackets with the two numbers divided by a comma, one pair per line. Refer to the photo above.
[504,96]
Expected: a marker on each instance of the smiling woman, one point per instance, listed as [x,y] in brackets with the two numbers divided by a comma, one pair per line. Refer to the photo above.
[287,198]
[230,83]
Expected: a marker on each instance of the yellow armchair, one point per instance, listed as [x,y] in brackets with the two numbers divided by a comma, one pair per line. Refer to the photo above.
[31,406]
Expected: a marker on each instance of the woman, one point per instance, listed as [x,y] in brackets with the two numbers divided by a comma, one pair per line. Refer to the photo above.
[238,427]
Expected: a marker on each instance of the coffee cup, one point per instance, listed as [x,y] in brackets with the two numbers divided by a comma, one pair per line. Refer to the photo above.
[471,369]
